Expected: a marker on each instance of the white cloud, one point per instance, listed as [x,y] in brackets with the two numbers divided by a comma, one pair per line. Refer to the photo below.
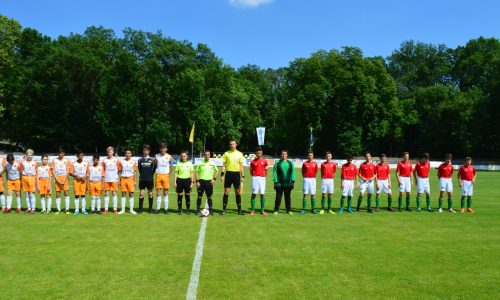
[249,3]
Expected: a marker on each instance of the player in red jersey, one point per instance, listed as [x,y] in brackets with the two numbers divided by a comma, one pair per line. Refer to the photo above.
[328,168]
[421,175]
[349,176]
[445,172]
[309,171]
[403,172]
[383,172]
[466,179]
[258,170]
[366,175]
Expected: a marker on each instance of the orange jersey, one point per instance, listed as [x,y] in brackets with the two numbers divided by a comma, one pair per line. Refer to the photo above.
[79,169]
[44,172]
[95,173]
[29,168]
[111,167]
[128,168]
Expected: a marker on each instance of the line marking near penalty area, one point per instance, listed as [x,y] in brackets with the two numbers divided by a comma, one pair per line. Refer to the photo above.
[195,271]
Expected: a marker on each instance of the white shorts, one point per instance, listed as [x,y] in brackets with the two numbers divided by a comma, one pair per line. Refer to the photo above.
[423,185]
[367,186]
[405,184]
[258,185]
[445,185]
[327,185]
[467,188]
[348,189]
[383,186]
[309,186]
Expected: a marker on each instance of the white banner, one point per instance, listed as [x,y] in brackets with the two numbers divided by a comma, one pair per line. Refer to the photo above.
[261,134]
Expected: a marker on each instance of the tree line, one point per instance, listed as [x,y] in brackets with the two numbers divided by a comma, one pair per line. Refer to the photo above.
[87,91]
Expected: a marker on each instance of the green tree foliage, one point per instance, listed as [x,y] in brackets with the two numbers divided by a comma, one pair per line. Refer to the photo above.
[90,90]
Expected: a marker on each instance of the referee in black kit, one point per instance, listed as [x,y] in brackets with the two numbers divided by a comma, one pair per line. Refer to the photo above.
[147,168]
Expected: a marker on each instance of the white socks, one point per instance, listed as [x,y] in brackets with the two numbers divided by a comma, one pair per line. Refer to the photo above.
[106,202]
[32,200]
[49,204]
[9,202]
[84,203]
[123,203]
[28,201]
[42,202]
[115,202]
[98,202]
[66,202]
[158,202]
[165,199]
[2,200]
[77,204]
[58,204]
[18,202]
[131,203]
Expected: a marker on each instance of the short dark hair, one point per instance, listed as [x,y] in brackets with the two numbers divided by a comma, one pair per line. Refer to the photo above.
[60,150]
[146,147]
[448,156]
[96,156]
[383,155]
[258,149]
[349,156]
[328,152]
[468,158]
[208,151]
[425,155]
[10,157]
[44,155]
[128,149]
[233,140]
[405,153]
[367,152]
[80,152]
[163,145]
[284,150]
[310,152]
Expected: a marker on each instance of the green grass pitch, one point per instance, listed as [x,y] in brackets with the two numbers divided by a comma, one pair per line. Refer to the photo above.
[377,256]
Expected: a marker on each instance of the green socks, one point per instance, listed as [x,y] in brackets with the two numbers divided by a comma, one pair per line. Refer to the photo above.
[313,203]
[407,202]
[349,201]
[450,203]
[323,202]
[389,201]
[469,202]
[252,203]
[462,202]
[262,203]
[418,202]
[369,202]
[377,201]
[400,202]
[360,199]
[440,203]
[330,202]
[342,202]
[428,201]
[304,203]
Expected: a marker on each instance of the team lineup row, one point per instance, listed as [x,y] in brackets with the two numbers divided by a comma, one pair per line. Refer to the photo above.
[114,174]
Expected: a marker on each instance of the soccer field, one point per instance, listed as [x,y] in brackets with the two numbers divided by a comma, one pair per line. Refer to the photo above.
[382,255]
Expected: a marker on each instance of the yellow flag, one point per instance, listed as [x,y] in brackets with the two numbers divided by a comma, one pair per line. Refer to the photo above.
[191,136]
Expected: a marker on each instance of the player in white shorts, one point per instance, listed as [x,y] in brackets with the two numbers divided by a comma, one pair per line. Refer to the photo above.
[258,170]
[403,172]
[445,172]
[309,171]
[328,169]
[466,179]
[366,174]
[421,175]
[383,182]
[348,175]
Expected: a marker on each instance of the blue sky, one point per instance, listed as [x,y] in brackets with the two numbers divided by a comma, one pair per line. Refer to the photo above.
[271,33]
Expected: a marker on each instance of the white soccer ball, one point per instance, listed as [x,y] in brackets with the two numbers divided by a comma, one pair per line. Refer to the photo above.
[205,212]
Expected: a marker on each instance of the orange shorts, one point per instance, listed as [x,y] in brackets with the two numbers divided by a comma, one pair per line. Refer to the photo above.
[80,187]
[95,188]
[43,186]
[61,187]
[127,184]
[111,186]
[14,185]
[1,184]
[162,181]
[28,183]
